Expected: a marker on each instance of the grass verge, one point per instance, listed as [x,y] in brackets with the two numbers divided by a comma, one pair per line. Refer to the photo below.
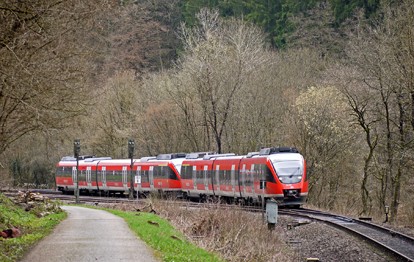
[169,243]
[32,228]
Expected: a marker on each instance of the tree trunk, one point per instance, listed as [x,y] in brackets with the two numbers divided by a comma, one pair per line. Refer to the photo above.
[396,182]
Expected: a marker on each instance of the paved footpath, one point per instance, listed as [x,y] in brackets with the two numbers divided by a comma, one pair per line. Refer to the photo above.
[90,235]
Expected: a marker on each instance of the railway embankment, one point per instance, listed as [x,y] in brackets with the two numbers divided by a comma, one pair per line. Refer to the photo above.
[233,234]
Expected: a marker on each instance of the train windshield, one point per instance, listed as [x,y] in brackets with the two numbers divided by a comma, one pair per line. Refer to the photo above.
[288,171]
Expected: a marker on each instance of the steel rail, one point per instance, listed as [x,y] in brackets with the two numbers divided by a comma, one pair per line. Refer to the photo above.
[396,244]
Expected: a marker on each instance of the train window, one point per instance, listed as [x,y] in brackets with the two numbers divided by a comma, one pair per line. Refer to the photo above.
[117,175]
[164,172]
[109,175]
[222,177]
[227,176]
[289,171]
[63,172]
[186,172]
[170,173]
[157,172]
[217,176]
[268,174]
[232,177]
[200,176]
[145,176]
[60,171]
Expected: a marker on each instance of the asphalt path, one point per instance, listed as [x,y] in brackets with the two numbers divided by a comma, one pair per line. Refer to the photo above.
[90,235]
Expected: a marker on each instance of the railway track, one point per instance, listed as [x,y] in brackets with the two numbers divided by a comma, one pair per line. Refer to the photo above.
[396,244]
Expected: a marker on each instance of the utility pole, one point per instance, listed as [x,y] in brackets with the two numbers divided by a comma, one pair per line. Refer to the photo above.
[76,151]
[131,148]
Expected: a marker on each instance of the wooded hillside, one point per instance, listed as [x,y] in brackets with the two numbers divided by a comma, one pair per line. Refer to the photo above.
[333,78]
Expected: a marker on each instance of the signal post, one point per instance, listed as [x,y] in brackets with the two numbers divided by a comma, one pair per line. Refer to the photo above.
[131,148]
[76,151]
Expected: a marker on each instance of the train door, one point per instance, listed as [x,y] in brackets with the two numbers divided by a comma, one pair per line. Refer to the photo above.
[74,176]
[125,177]
[232,178]
[165,170]
[243,179]
[138,177]
[205,174]
[151,177]
[252,180]
[195,177]
[103,178]
[218,178]
[88,177]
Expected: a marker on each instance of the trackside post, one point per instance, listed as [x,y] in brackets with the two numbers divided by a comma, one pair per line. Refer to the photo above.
[76,151]
[131,148]
[262,187]
[271,214]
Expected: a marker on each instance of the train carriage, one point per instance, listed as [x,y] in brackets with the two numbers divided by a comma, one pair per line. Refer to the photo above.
[66,174]
[273,173]
[160,174]
[277,173]
[196,175]
[106,175]
[94,174]
[112,175]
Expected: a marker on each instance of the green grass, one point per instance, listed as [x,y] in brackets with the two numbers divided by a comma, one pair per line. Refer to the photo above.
[32,228]
[169,244]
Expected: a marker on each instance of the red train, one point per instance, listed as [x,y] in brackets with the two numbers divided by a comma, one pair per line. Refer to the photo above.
[273,173]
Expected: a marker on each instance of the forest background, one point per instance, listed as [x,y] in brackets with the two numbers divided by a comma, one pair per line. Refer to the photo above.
[333,78]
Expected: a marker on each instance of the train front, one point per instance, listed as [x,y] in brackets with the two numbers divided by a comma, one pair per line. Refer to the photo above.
[290,169]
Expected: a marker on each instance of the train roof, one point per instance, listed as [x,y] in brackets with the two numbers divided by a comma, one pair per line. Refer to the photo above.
[277,150]
[170,156]
[207,157]
[109,161]
[94,159]
[177,158]
[196,155]
[252,154]
[147,158]
[72,158]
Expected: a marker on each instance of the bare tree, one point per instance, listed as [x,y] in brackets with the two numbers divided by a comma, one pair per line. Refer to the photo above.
[362,113]
[114,115]
[327,139]
[219,57]
[138,36]
[42,69]
[383,55]
[161,123]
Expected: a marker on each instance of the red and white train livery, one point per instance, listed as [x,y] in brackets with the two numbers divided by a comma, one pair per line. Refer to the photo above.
[273,173]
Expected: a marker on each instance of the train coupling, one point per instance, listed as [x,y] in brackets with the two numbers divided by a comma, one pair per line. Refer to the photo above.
[295,193]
